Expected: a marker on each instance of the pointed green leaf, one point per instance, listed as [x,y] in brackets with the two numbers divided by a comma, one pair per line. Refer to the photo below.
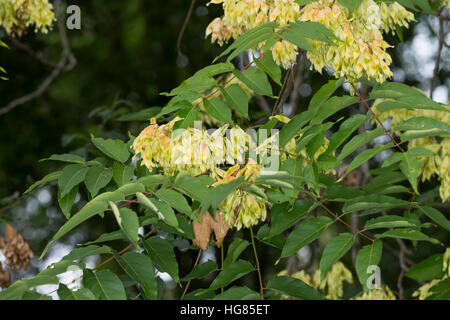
[237,98]
[161,252]
[201,270]
[70,177]
[67,201]
[140,268]
[294,288]
[67,157]
[335,249]
[234,251]
[231,273]
[174,199]
[408,234]
[368,255]
[122,174]
[80,253]
[256,80]
[104,284]
[284,217]
[128,222]
[97,177]
[164,211]
[218,109]
[436,216]
[308,231]
[50,177]
[428,269]
[269,66]
[113,148]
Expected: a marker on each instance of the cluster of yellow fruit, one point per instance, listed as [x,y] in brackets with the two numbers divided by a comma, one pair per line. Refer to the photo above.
[437,165]
[360,51]
[424,291]
[17,15]
[197,152]
[333,284]
[241,16]
[241,208]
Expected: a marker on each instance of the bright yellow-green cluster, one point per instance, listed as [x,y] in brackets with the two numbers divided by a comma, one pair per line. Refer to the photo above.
[197,152]
[437,165]
[241,208]
[17,15]
[384,293]
[361,51]
[192,150]
[424,291]
[332,285]
[243,15]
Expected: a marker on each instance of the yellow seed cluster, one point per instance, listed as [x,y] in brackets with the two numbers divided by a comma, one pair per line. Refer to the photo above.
[361,51]
[197,152]
[446,3]
[424,291]
[384,293]
[243,15]
[17,15]
[241,208]
[437,165]
[332,285]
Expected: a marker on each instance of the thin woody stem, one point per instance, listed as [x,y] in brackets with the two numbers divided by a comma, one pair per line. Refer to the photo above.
[261,287]
[376,117]
[189,282]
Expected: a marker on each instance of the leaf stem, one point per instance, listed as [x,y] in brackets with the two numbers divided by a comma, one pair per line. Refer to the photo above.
[261,287]
[189,282]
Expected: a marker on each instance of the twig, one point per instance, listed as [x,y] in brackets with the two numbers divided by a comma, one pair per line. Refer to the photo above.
[364,176]
[183,28]
[403,269]
[295,94]
[35,55]
[262,103]
[65,63]
[261,286]
[282,95]
[376,117]
[189,282]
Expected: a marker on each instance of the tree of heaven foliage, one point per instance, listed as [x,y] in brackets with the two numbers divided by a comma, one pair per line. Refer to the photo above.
[203,170]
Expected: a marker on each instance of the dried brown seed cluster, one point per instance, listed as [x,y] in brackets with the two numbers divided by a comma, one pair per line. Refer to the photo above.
[16,250]
[5,279]
[207,224]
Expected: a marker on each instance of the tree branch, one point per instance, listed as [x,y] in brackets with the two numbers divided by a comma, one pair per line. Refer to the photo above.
[66,62]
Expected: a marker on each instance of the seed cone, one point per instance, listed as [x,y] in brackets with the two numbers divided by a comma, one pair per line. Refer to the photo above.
[17,251]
